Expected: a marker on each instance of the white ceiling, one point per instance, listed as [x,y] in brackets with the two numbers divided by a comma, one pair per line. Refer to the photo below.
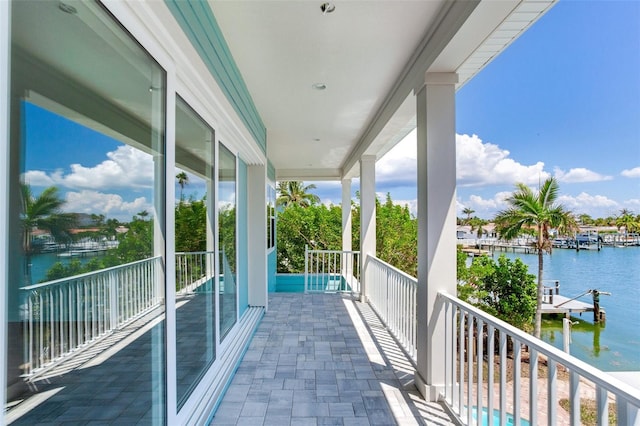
[370,55]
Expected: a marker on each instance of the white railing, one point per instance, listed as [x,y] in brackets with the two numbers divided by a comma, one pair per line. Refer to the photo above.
[392,295]
[331,271]
[194,271]
[474,338]
[66,314]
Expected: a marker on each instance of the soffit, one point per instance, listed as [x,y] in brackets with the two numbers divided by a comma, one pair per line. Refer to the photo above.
[365,52]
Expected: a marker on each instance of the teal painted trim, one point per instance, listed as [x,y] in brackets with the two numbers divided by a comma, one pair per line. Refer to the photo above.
[271,171]
[271,271]
[199,24]
[243,238]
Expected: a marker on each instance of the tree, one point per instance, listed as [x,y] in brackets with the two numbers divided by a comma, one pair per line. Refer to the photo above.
[43,212]
[468,211]
[296,193]
[535,211]
[627,221]
[183,180]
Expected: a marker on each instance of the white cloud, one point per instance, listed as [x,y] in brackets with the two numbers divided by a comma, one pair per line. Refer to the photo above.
[482,164]
[37,178]
[579,175]
[126,167]
[484,207]
[631,173]
[477,164]
[593,205]
[399,165]
[111,205]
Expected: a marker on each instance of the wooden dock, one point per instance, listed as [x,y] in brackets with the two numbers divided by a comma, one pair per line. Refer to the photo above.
[564,305]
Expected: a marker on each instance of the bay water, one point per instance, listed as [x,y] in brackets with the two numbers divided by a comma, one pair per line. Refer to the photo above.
[616,345]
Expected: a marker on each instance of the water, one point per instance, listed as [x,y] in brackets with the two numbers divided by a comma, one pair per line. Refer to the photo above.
[496,417]
[616,346]
[41,263]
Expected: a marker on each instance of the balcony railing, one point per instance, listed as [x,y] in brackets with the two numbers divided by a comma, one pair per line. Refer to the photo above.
[66,314]
[392,295]
[480,347]
[194,271]
[469,331]
[332,271]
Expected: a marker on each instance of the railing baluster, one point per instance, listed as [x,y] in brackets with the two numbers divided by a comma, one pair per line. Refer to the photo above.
[503,378]
[479,360]
[517,364]
[490,372]
[533,386]
[461,319]
[602,406]
[574,397]
[469,342]
[552,391]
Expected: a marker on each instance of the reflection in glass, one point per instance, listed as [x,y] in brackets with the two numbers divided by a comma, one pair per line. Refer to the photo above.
[87,290]
[195,295]
[227,235]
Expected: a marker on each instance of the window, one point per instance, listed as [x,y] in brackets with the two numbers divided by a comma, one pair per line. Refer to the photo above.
[271,216]
[227,239]
[195,258]
[86,289]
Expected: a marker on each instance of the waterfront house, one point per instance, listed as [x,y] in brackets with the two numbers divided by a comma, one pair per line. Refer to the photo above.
[239,95]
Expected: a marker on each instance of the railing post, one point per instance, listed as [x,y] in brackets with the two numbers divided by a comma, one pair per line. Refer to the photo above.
[113,299]
[306,268]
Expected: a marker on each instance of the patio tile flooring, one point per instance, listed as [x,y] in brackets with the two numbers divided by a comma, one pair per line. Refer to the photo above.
[324,359]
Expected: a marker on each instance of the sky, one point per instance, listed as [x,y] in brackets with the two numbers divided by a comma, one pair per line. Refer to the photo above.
[563,100]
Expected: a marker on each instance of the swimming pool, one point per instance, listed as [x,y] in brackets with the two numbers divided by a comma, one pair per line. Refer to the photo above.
[496,417]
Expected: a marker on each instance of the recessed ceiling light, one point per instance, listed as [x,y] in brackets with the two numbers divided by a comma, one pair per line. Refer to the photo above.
[327,8]
[319,86]
[67,8]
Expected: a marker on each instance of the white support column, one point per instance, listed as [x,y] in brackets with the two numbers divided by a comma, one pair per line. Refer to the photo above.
[346,215]
[257,235]
[367,216]
[436,224]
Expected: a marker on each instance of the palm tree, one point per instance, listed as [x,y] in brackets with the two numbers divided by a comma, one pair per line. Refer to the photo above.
[628,221]
[43,212]
[468,211]
[538,211]
[296,193]
[183,180]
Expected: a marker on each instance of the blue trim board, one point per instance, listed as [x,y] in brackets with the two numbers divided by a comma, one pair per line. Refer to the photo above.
[243,238]
[199,24]
[271,171]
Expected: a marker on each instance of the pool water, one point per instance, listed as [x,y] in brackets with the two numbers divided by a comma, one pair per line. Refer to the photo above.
[496,417]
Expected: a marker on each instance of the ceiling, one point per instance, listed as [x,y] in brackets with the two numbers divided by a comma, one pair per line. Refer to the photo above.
[370,55]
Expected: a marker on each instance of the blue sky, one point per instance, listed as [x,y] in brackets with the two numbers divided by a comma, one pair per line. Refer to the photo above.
[563,100]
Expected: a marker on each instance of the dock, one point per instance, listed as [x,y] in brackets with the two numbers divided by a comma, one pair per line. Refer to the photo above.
[564,305]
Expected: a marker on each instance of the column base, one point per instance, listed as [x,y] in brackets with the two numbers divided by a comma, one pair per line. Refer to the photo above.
[430,393]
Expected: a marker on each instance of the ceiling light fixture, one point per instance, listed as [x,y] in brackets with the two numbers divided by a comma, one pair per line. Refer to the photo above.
[327,8]
[67,8]
[319,86]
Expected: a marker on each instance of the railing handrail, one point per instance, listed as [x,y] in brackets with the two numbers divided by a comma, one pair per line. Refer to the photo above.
[609,383]
[87,274]
[396,270]
[179,253]
[334,251]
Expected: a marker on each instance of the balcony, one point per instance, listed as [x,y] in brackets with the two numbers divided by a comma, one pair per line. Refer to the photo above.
[316,357]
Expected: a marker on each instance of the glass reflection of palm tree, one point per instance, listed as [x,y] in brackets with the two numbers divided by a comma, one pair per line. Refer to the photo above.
[42,212]
[183,180]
